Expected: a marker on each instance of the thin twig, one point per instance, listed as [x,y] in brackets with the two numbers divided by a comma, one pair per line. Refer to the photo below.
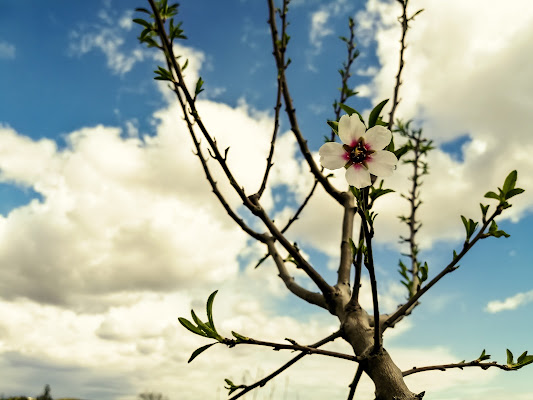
[404,21]
[267,378]
[449,268]
[293,219]
[294,346]
[345,72]
[283,47]
[301,262]
[358,261]
[420,146]
[167,46]
[208,175]
[251,202]
[289,109]
[355,381]
[444,367]
[304,294]
[369,263]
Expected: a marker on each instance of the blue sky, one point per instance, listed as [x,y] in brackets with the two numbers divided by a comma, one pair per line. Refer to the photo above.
[109,231]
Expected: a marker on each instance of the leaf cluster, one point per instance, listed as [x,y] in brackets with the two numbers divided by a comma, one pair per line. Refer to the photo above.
[205,329]
[521,361]
[151,32]
[506,192]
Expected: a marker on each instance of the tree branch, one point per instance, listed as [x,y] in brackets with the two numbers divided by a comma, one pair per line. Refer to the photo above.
[345,72]
[395,101]
[449,268]
[304,294]
[369,263]
[293,219]
[283,46]
[355,381]
[347,232]
[289,108]
[169,52]
[462,365]
[294,346]
[357,261]
[239,221]
[267,378]
[324,287]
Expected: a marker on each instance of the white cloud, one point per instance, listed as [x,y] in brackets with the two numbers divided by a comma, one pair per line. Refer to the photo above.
[107,36]
[7,50]
[133,210]
[462,75]
[319,29]
[510,303]
[128,236]
[321,24]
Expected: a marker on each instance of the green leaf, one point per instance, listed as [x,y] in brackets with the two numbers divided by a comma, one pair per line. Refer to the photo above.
[509,357]
[144,10]
[484,209]
[142,22]
[500,233]
[353,247]
[163,74]
[401,151]
[239,336]
[198,88]
[521,358]
[484,356]
[493,230]
[194,329]
[204,327]
[403,270]
[209,308]
[513,192]
[197,352]
[526,360]
[492,195]
[349,110]
[374,114]
[334,126]
[510,181]
[424,270]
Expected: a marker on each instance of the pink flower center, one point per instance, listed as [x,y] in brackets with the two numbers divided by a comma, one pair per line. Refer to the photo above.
[357,154]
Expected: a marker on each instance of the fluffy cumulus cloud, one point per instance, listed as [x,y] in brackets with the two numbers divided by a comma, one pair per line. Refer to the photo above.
[473,80]
[321,21]
[510,303]
[108,37]
[127,235]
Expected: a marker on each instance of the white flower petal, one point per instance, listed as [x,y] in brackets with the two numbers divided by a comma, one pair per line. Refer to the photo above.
[358,176]
[351,129]
[382,163]
[332,155]
[377,137]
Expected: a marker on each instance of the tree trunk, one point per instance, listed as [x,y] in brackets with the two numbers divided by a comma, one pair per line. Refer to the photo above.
[387,377]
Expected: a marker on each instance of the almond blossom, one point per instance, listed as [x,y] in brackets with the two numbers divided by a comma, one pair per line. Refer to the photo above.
[361,152]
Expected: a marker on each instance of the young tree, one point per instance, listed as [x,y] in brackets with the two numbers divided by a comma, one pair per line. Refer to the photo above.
[367,152]
[152,396]
[46,394]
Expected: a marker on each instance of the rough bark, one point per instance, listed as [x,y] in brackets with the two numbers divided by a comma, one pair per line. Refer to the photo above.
[380,367]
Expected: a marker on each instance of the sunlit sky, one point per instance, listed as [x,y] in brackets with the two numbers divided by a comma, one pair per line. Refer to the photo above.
[109,231]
